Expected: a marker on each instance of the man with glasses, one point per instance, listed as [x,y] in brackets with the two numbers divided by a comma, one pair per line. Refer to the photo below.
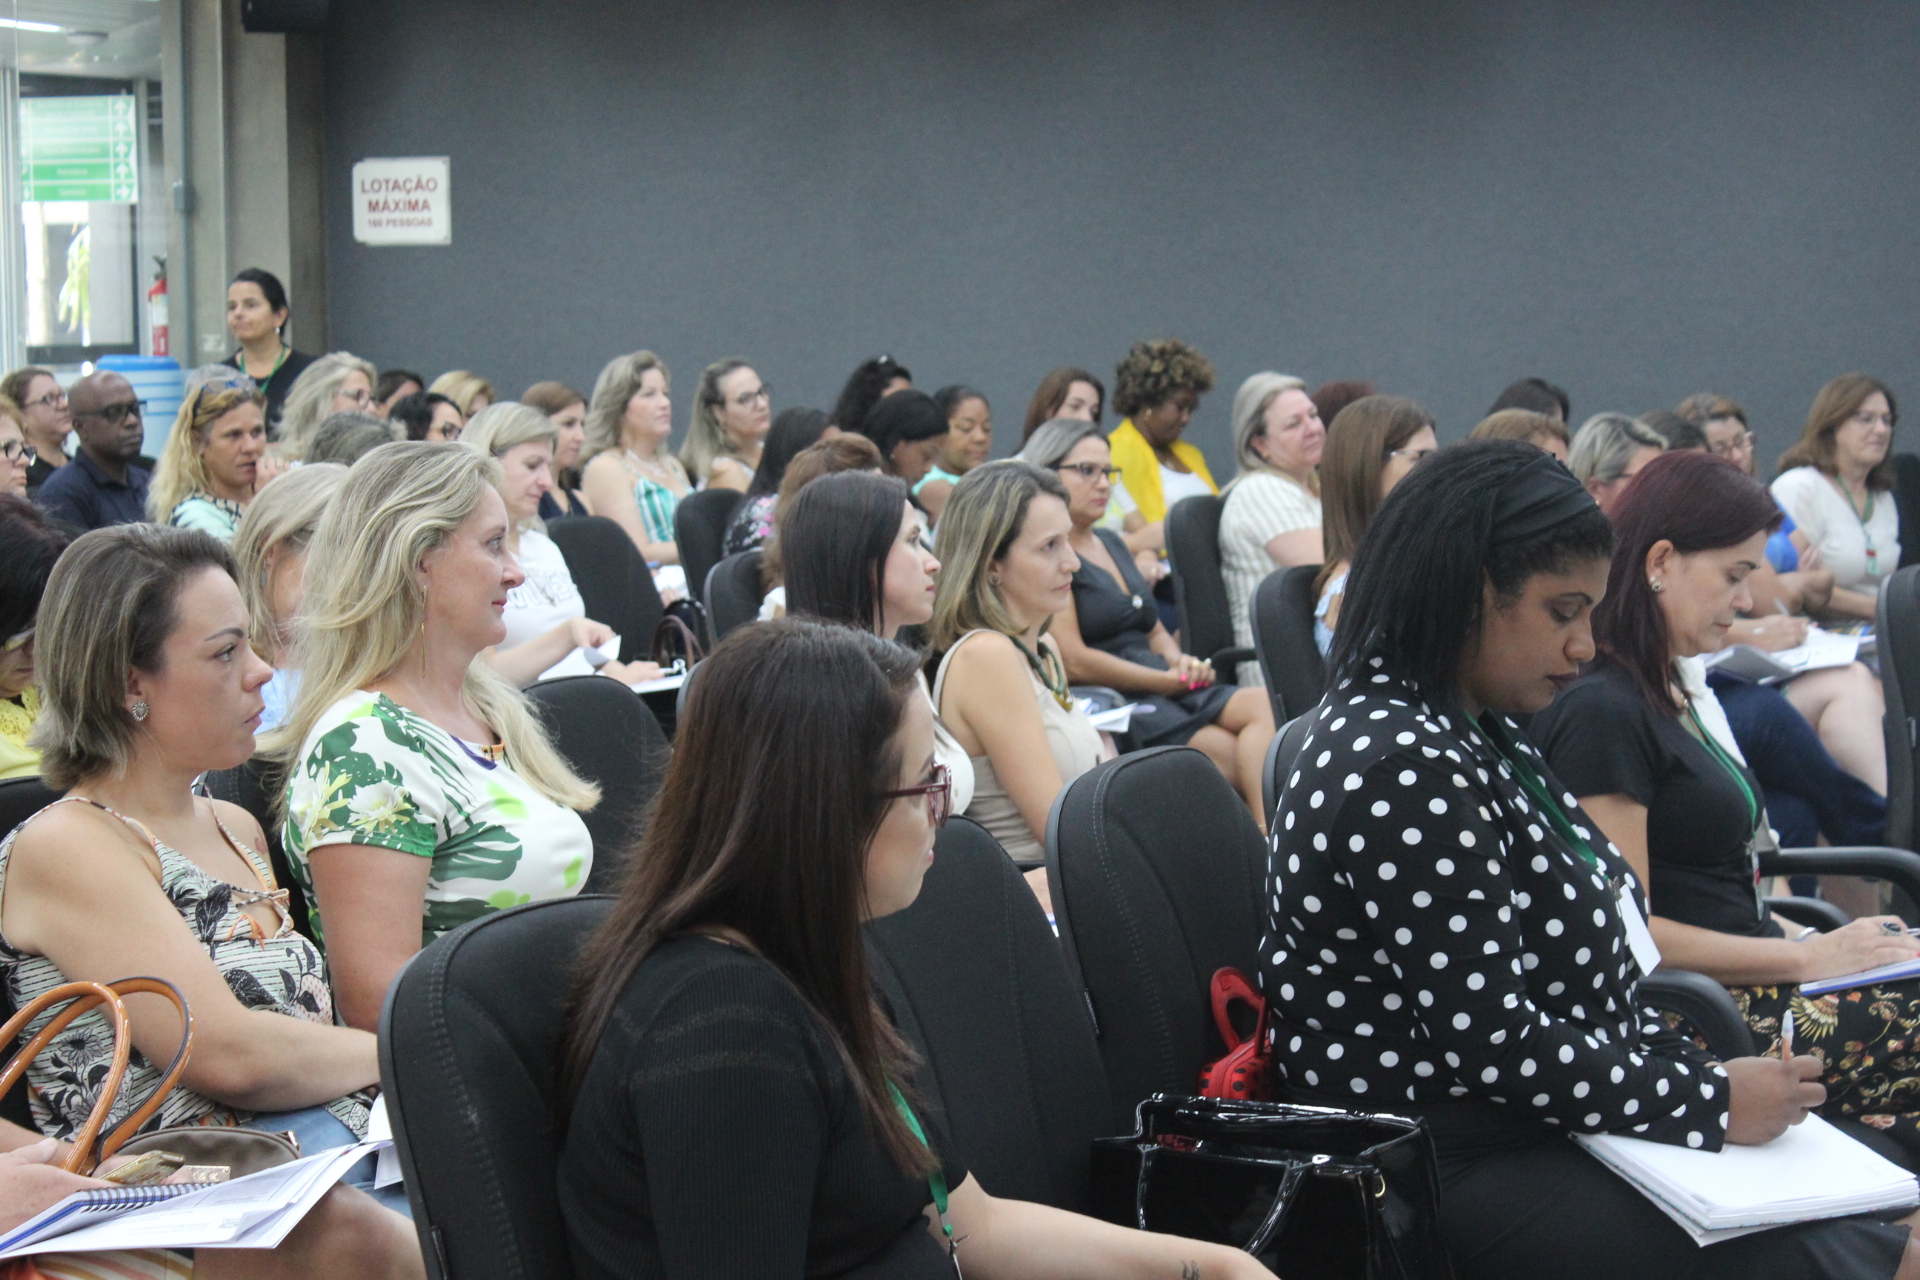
[102,486]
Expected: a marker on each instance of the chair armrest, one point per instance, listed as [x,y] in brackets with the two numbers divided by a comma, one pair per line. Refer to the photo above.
[1232,657]
[1704,1003]
[1821,914]
[1901,866]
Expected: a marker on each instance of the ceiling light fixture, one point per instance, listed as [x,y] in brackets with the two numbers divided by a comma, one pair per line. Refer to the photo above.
[19,24]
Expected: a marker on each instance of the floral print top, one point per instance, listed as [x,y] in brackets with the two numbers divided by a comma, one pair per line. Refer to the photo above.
[373,773]
[281,972]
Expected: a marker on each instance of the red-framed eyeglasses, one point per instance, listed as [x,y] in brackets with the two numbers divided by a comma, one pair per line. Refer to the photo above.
[939,794]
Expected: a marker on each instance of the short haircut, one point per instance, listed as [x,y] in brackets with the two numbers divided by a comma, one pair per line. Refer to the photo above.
[109,607]
[1536,394]
[552,397]
[348,437]
[1604,446]
[1052,393]
[1154,372]
[29,546]
[414,413]
[1838,401]
[837,536]
[268,283]
[1521,424]
[1674,429]
[391,380]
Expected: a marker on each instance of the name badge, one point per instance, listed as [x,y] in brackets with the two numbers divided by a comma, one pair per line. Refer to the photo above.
[1646,953]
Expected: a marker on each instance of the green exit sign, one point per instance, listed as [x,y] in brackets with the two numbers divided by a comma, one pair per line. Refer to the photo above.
[80,149]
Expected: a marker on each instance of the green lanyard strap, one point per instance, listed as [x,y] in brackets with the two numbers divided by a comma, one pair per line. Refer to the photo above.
[1535,786]
[936,1176]
[1719,753]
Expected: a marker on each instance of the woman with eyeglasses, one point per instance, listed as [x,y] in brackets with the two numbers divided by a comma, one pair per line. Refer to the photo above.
[208,469]
[45,420]
[1837,484]
[1110,634]
[29,546]
[732,409]
[1372,445]
[1271,517]
[15,452]
[338,382]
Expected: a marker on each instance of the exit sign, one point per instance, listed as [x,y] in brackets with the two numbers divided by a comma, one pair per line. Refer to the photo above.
[80,149]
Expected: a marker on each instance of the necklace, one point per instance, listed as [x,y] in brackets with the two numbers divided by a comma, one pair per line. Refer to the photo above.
[650,467]
[1049,669]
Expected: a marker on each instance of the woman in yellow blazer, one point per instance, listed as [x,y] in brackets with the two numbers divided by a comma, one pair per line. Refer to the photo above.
[29,545]
[1156,389]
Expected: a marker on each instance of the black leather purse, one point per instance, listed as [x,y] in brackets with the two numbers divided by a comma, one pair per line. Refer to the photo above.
[1313,1193]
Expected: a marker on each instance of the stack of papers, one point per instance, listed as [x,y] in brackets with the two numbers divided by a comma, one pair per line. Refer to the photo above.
[1822,649]
[1810,1172]
[254,1212]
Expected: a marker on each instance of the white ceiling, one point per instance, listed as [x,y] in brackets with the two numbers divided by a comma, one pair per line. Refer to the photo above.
[130,51]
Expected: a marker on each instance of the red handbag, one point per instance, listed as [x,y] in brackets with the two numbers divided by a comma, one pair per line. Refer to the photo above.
[1246,1073]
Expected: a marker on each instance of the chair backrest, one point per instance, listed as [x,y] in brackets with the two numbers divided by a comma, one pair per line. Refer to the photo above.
[1193,545]
[1156,869]
[608,735]
[700,532]
[733,592]
[1290,661]
[615,584]
[21,798]
[251,787]
[469,1059]
[1897,633]
[1281,753]
[979,987]
[1906,497]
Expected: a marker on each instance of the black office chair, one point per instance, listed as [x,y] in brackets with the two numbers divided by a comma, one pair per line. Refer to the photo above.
[733,593]
[979,987]
[1206,621]
[254,786]
[1290,660]
[1897,633]
[700,531]
[1906,497]
[21,798]
[469,1048]
[1156,870]
[615,584]
[610,738]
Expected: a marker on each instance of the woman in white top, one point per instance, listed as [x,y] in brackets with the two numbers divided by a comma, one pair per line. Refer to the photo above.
[422,791]
[1371,446]
[855,555]
[548,632]
[1001,687]
[1837,484]
[1271,519]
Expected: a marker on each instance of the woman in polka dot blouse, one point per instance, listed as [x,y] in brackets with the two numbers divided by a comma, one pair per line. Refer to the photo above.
[1450,937]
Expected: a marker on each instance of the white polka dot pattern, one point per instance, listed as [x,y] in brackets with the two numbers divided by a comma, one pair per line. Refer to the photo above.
[1433,878]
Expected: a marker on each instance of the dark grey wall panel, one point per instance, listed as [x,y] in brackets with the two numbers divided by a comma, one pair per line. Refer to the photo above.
[1636,200]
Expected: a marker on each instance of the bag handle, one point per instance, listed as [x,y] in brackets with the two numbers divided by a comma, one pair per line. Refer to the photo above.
[81,998]
[1229,985]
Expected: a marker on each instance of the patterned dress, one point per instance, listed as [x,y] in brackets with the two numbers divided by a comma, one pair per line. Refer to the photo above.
[373,773]
[281,971]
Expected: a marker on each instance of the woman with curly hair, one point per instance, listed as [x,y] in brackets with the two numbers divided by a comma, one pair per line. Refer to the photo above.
[1155,391]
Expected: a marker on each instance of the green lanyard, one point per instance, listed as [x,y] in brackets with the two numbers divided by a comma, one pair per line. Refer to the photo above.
[936,1176]
[1719,753]
[1533,785]
[1873,555]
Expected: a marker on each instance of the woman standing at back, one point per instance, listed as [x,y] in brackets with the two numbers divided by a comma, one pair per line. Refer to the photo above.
[257,314]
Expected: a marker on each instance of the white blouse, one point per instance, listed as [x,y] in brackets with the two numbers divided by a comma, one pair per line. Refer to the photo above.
[1259,508]
[1835,526]
[545,600]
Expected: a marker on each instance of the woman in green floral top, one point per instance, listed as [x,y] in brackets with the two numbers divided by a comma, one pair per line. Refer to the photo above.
[422,793]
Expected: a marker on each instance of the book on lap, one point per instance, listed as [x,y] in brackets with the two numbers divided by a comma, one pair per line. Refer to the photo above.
[1885,973]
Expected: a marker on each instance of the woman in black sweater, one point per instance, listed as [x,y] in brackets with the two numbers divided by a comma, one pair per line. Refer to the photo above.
[740,1107]
[1643,742]
[1450,937]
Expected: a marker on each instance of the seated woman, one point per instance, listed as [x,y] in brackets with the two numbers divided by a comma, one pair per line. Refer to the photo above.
[871,382]
[1156,389]
[428,416]
[270,563]
[1649,754]
[1001,686]
[1837,484]
[1110,634]
[829,457]
[1066,392]
[1537,429]
[469,391]
[1607,453]
[856,555]
[346,438]
[207,471]
[629,476]
[422,792]
[338,382]
[548,632]
[17,455]
[1373,444]
[732,410]
[968,443]
[1271,518]
[29,546]
[567,409]
[910,431]
[149,683]
[739,1105]
[793,430]
[1447,939]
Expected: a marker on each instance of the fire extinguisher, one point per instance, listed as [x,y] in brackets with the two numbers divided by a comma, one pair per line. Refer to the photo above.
[157,307]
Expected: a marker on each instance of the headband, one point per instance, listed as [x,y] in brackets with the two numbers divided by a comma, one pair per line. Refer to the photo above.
[1535,498]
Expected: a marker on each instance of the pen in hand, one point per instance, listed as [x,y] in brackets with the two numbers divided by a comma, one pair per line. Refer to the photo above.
[1786,1037]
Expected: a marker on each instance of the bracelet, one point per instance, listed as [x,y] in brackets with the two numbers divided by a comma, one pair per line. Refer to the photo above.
[1805,933]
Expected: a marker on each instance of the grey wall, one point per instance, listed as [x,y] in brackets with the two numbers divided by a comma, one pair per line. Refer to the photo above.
[1635,200]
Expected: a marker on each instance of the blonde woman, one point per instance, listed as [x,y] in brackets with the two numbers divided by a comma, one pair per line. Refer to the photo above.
[548,632]
[270,564]
[16,455]
[1271,517]
[629,476]
[1001,688]
[567,409]
[210,466]
[422,793]
[469,392]
[338,382]
[732,409]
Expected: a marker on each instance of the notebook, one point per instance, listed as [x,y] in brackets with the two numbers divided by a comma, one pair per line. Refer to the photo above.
[1885,973]
[1810,1172]
[1822,649]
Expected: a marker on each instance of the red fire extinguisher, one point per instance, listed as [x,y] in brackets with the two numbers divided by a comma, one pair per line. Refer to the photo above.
[157,307]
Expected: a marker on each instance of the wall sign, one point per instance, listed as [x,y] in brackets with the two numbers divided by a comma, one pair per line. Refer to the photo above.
[80,149]
[404,201]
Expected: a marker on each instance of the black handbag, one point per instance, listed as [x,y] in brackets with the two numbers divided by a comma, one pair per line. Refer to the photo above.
[1313,1193]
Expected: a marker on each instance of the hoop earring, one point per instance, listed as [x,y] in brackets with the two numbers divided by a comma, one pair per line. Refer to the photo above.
[140,710]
